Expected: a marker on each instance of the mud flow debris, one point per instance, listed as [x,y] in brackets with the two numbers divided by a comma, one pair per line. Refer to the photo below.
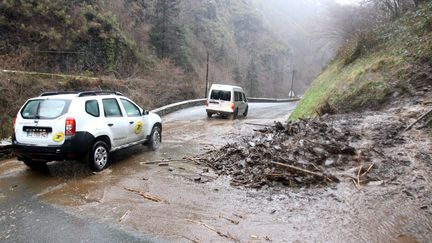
[295,154]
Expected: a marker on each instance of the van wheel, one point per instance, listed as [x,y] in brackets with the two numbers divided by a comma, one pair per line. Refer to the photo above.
[98,156]
[246,111]
[35,165]
[209,114]
[155,138]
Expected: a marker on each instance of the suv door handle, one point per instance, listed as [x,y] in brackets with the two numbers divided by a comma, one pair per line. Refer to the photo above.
[131,122]
[110,124]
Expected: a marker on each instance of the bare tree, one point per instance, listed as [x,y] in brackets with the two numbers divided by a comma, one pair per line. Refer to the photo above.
[394,8]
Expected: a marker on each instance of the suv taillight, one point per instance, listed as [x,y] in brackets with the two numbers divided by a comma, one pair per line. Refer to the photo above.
[232,106]
[70,127]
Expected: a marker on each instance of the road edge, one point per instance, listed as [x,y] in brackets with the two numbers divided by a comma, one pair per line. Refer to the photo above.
[165,110]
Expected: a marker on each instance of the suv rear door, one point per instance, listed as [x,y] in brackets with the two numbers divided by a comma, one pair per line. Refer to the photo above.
[135,119]
[41,122]
[115,121]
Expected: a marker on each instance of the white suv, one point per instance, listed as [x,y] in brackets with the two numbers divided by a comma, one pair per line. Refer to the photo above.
[86,125]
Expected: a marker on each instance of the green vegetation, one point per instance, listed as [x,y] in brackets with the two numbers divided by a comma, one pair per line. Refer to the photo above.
[64,36]
[373,66]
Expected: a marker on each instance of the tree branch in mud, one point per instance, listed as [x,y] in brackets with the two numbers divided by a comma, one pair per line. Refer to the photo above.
[227,235]
[329,178]
[421,118]
[230,220]
[145,195]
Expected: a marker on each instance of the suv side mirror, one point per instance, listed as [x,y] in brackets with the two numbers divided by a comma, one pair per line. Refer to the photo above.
[145,112]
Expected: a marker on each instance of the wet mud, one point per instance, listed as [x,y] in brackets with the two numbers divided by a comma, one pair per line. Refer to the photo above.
[195,204]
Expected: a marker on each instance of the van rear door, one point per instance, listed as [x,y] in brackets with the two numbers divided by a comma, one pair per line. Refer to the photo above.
[220,100]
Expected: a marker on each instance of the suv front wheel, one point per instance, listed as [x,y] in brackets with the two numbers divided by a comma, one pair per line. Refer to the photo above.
[155,138]
[98,156]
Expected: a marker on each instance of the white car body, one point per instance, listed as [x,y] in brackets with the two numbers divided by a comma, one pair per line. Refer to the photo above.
[92,116]
[226,100]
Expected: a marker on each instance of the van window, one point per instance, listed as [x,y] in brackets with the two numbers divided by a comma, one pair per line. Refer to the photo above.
[111,108]
[45,109]
[244,97]
[92,107]
[220,95]
[237,96]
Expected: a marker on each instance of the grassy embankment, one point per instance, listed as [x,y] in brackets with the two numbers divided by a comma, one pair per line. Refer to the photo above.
[389,61]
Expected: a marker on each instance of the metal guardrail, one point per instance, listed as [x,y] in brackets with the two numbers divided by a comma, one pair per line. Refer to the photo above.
[164,110]
[6,144]
[271,100]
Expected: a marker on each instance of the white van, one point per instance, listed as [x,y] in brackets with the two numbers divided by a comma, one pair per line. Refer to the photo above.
[226,100]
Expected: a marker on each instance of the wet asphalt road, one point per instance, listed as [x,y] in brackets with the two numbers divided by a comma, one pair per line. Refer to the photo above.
[69,203]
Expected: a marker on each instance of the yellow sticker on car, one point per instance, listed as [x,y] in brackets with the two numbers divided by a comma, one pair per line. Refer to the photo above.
[58,137]
[138,127]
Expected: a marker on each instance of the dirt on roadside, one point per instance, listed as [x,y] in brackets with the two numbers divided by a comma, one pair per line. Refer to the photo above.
[369,148]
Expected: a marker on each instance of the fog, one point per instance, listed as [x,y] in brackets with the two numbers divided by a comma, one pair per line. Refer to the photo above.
[300,25]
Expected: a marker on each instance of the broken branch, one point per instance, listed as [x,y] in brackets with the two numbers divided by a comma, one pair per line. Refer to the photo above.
[124,216]
[230,220]
[228,236]
[421,118]
[323,176]
[145,195]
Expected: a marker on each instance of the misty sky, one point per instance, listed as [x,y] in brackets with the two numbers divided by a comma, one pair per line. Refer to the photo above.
[347,1]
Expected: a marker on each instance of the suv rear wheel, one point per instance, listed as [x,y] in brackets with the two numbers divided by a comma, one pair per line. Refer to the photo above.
[35,165]
[155,138]
[98,156]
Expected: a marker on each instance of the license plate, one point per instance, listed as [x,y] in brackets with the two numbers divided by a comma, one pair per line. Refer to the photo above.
[37,134]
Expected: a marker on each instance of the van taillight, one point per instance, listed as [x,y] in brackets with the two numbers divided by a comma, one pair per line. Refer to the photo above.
[232,106]
[206,103]
[70,127]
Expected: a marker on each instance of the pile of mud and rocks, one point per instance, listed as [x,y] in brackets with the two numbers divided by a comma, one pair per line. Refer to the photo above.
[363,148]
[294,154]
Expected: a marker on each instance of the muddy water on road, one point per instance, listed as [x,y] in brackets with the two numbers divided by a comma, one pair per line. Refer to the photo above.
[195,204]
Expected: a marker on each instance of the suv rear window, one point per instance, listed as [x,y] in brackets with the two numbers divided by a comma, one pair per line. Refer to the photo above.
[220,95]
[45,109]
[92,107]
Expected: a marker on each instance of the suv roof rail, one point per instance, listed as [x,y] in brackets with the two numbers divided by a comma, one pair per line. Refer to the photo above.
[58,93]
[98,92]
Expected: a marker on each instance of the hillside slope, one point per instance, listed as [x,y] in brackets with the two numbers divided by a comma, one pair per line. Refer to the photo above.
[129,38]
[152,55]
[382,68]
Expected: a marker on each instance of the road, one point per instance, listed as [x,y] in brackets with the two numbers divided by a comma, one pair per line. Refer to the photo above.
[71,203]
[140,199]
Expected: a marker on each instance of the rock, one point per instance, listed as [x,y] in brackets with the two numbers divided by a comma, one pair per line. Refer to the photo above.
[329,162]
[375,183]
